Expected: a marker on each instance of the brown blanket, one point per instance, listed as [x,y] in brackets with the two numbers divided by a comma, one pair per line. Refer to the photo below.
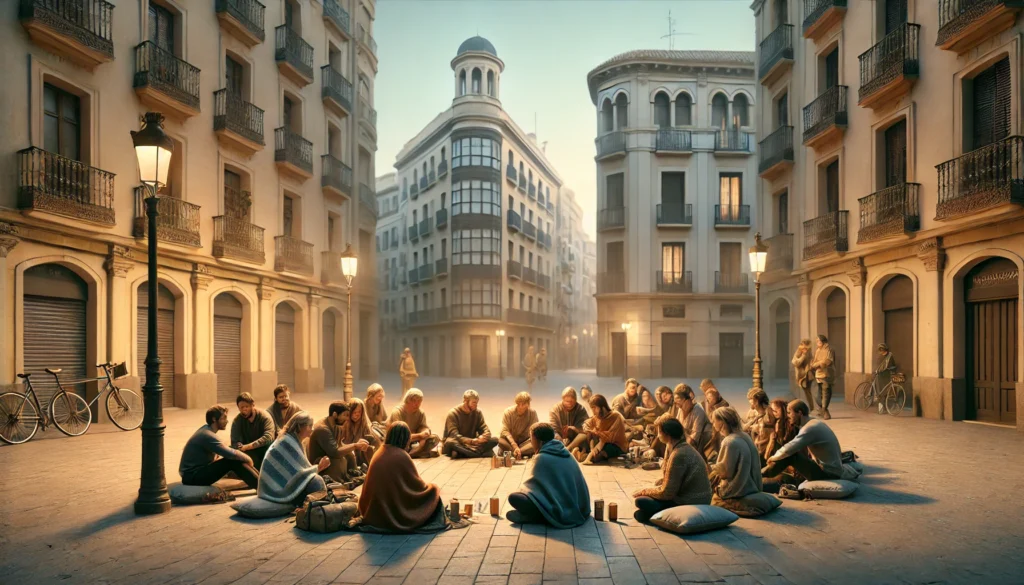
[395,497]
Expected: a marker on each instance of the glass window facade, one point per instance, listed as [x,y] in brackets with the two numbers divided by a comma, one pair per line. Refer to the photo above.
[477,246]
[478,197]
[476,152]
[476,299]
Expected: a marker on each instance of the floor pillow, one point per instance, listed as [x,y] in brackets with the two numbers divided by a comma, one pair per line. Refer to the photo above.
[828,489]
[693,519]
[749,506]
[187,495]
[256,507]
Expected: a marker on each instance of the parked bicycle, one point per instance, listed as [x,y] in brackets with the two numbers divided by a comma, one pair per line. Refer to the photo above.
[21,414]
[893,397]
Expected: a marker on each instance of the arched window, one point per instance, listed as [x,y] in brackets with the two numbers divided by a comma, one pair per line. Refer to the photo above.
[683,110]
[719,110]
[476,80]
[432,165]
[621,112]
[607,119]
[462,82]
[662,114]
[511,159]
[424,169]
[415,177]
[521,171]
[741,110]
[490,83]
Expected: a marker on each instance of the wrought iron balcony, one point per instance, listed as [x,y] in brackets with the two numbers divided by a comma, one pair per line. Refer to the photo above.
[544,281]
[432,177]
[730,282]
[514,221]
[423,183]
[237,239]
[426,226]
[522,184]
[476,311]
[293,255]
[776,54]
[540,238]
[363,36]
[164,81]
[441,267]
[330,269]
[293,153]
[55,184]
[414,191]
[674,214]
[336,178]
[732,141]
[441,218]
[237,123]
[893,211]
[511,174]
[529,275]
[514,269]
[368,199]
[611,218]
[336,91]
[826,234]
[368,116]
[672,140]
[776,152]
[337,17]
[780,253]
[890,68]
[81,31]
[989,176]
[243,19]
[964,24]
[414,277]
[676,281]
[177,221]
[426,272]
[821,16]
[428,317]
[529,230]
[611,143]
[414,232]
[611,282]
[825,118]
[294,56]
[732,216]
[442,169]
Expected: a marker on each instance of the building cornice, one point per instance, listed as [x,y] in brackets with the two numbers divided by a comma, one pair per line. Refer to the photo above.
[740,70]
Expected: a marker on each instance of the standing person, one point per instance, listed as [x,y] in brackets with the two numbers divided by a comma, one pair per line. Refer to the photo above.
[422,442]
[815,436]
[253,430]
[554,491]
[627,402]
[530,364]
[759,420]
[199,463]
[465,432]
[737,472]
[395,497]
[823,366]
[609,429]
[696,428]
[356,430]
[684,479]
[326,441]
[288,475]
[283,408]
[376,412]
[802,369]
[515,427]
[568,418]
[407,370]
[542,364]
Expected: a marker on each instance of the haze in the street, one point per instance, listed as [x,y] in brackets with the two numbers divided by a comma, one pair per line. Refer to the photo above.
[548,48]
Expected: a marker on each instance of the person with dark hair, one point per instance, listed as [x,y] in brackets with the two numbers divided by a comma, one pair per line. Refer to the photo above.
[758,420]
[327,441]
[199,459]
[684,476]
[554,491]
[283,408]
[252,430]
[422,443]
[815,436]
[696,428]
[780,432]
[737,472]
[627,402]
[395,498]
[824,368]
[515,427]
[466,434]
[568,418]
[609,429]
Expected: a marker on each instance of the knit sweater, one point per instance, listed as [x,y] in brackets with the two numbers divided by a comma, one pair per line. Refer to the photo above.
[326,441]
[259,433]
[612,430]
[417,421]
[285,471]
[625,405]
[698,430]
[517,426]
[684,478]
[738,466]
[281,414]
[559,417]
[201,450]
[461,424]
[818,438]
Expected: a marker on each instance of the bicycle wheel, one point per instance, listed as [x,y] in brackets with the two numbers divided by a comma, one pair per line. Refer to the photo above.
[895,400]
[125,409]
[19,420]
[71,413]
[863,398]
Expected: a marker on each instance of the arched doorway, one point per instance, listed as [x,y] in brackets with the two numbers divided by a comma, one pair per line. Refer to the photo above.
[898,327]
[330,359]
[780,315]
[227,347]
[284,344]
[56,327]
[164,338]
[835,315]
[992,341]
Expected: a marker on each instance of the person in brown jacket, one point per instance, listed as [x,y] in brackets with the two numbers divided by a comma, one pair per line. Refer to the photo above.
[824,368]
[465,432]
[609,428]
[407,370]
[568,417]
[395,497]
[684,479]
[327,441]
[802,369]
[422,442]
[627,402]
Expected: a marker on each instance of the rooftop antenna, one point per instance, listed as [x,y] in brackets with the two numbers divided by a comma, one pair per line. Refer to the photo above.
[672,34]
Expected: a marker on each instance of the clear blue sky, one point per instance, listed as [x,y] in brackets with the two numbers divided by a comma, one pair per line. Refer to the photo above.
[548,47]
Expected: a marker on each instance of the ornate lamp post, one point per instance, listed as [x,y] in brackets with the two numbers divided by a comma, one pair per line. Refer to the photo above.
[758,257]
[501,360]
[153,150]
[349,267]
[625,364]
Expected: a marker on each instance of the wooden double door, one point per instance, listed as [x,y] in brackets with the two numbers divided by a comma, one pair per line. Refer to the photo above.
[992,341]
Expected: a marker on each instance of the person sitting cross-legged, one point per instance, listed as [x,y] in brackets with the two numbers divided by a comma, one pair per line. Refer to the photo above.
[684,479]
[287,475]
[253,430]
[568,418]
[422,442]
[395,498]
[327,440]
[465,431]
[515,427]
[609,429]
[737,472]
[199,459]
[825,460]
[554,491]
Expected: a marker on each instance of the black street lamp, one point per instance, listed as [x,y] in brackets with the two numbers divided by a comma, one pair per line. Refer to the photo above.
[153,150]
[758,257]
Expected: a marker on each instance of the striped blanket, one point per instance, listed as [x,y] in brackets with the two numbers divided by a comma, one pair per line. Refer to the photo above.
[285,471]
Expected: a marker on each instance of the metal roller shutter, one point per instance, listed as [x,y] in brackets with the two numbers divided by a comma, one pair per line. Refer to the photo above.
[330,359]
[227,357]
[55,337]
[284,344]
[164,339]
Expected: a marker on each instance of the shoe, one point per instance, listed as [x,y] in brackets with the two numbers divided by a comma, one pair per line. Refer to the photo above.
[790,492]
[514,517]
[827,415]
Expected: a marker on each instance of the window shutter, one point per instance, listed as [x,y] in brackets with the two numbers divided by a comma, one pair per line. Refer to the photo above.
[896,154]
[992,100]
[832,187]
[895,14]
[832,69]
[1003,100]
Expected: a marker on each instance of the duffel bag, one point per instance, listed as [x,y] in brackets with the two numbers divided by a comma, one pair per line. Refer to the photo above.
[320,516]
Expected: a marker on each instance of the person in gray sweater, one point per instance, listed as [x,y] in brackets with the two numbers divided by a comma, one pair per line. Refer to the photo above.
[737,472]
[825,461]
[684,478]
[252,430]
[199,463]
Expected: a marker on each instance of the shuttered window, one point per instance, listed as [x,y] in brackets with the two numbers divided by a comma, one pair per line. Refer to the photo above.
[234,72]
[895,14]
[284,345]
[896,154]
[782,211]
[161,27]
[614,185]
[832,187]
[782,110]
[992,98]
[61,122]
[164,339]
[832,69]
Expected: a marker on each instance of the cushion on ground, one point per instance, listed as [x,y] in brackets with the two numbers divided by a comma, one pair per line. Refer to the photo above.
[750,506]
[828,489]
[187,495]
[255,507]
[693,519]
[231,485]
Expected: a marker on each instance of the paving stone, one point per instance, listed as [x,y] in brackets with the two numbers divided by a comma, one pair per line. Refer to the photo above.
[503,541]
[463,566]
[528,562]
[592,571]
[426,576]
[524,579]
[495,568]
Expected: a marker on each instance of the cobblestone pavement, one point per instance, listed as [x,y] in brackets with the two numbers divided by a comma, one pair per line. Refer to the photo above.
[940,503]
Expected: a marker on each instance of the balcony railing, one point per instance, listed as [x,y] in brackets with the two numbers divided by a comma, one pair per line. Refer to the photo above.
[414,191]
[442,218]
[890,212]
[442,169]
[336,175]
[291,49]
[364,37]
[529,230]
[249,13]
[611,282]
[734,140]
[426,226]
[826,234]
[511,174]
[780,253]
[514,269]
[775,48]
[983,178]
[611,218]
[414,232]
[177,221]
[86,23]
[547,240]
[441,267]
[963,23]
[674,214]
[731,282]
[330,268]
[335,87]
[732,215]
[337,16]
[232,113]
[815,11]
[160,70]
[367,113]
[777,148]
[432,177]
[676,281]
[423,183]
[368,198]
[56,184]
[238,239]
[481,311]
[893,58]
[522,184]
[293,255]
[672,140]
[426,272]
[414,276]
[827,111]
[611,143]
[544,281]
[293,149]
[529,318]
[529,275]
[428,316]
[514,220]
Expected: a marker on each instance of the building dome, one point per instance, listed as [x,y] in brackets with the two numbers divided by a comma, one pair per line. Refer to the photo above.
[477,44]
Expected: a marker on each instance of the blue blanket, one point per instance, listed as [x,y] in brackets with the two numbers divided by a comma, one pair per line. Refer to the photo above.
[556,485]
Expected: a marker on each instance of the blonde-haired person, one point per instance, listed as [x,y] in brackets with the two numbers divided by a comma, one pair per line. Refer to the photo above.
[407,370]
[737,472]
[759,421]
[515,427]
[465,432]
[568,418]
[376,412]
[530,365]
[422,442]
[356,429]
[287,476]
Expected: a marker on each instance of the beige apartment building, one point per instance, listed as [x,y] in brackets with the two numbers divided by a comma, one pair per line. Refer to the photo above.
[892,184]
[676,180]
[391,267]
[577,277]
[270,107]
